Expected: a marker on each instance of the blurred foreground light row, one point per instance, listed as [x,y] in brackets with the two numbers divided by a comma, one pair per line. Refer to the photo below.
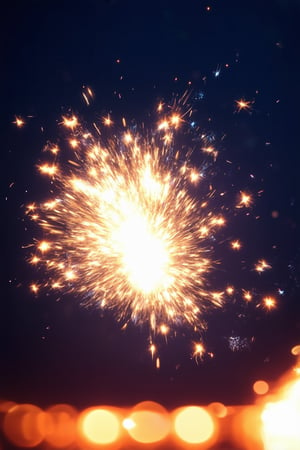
[271,423]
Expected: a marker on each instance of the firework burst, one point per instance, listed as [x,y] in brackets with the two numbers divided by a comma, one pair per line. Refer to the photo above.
[121,230]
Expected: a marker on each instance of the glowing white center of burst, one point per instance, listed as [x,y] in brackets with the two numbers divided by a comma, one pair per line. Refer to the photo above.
[145,257]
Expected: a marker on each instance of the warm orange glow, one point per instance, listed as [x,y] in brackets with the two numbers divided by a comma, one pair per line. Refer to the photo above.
[247,428]
[281,421]
[247,296]
[107,121]
[175,120]
[243,104]
[19,122]
[48,169]
[296,350]
[245,200]
[70,122]
[44,246]
[199,350]
[34,288]
[148,426]
[269,302]
[74,143]
[100,426]
[230,290]
[23,425]
[260,387]
[236,245]
[218,409]
[262,265]
[194,425]
[61,426]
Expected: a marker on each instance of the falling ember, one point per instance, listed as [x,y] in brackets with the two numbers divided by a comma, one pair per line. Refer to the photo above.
[199,350]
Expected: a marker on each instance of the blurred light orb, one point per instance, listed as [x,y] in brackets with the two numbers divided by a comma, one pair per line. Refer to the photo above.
[296,350]
[24,425]
[148,423]
[260,387]
[194,425]
[281,421]
[61,426]
[100,426]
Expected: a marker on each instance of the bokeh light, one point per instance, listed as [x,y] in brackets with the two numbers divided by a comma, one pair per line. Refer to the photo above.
[100,426]
[193,425]
[24,425]
[148,423]
[61,426]
[218,409]
[281,421]
[260,387]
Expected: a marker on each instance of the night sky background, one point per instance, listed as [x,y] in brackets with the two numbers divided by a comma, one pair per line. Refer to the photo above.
[133,54]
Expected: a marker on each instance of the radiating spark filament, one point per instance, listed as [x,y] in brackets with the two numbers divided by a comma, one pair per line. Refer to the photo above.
[245,200]
[230,290]
[48,169]
[269,302]
[70,122]
[107,121]
[262,265]
[19,122]
[44,246]
[199,350]
[243,105]
[123,231]
[152,350]
[236,245]
[34,288]
[247,296]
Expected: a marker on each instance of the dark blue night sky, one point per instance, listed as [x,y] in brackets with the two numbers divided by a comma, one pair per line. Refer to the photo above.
[55,351]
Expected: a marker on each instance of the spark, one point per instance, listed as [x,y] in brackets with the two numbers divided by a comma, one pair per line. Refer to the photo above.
[152,350]
[245,200]
[70,122]
[230,290]
[269,302]
[262,265]
[44,246]
[34,288]
[210,150]
[74,143]
[48,169]
[164,329]
[199,350]
[243,104]
[123,232]
[247,296]
[107,121]
[236,245]
[19,122]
